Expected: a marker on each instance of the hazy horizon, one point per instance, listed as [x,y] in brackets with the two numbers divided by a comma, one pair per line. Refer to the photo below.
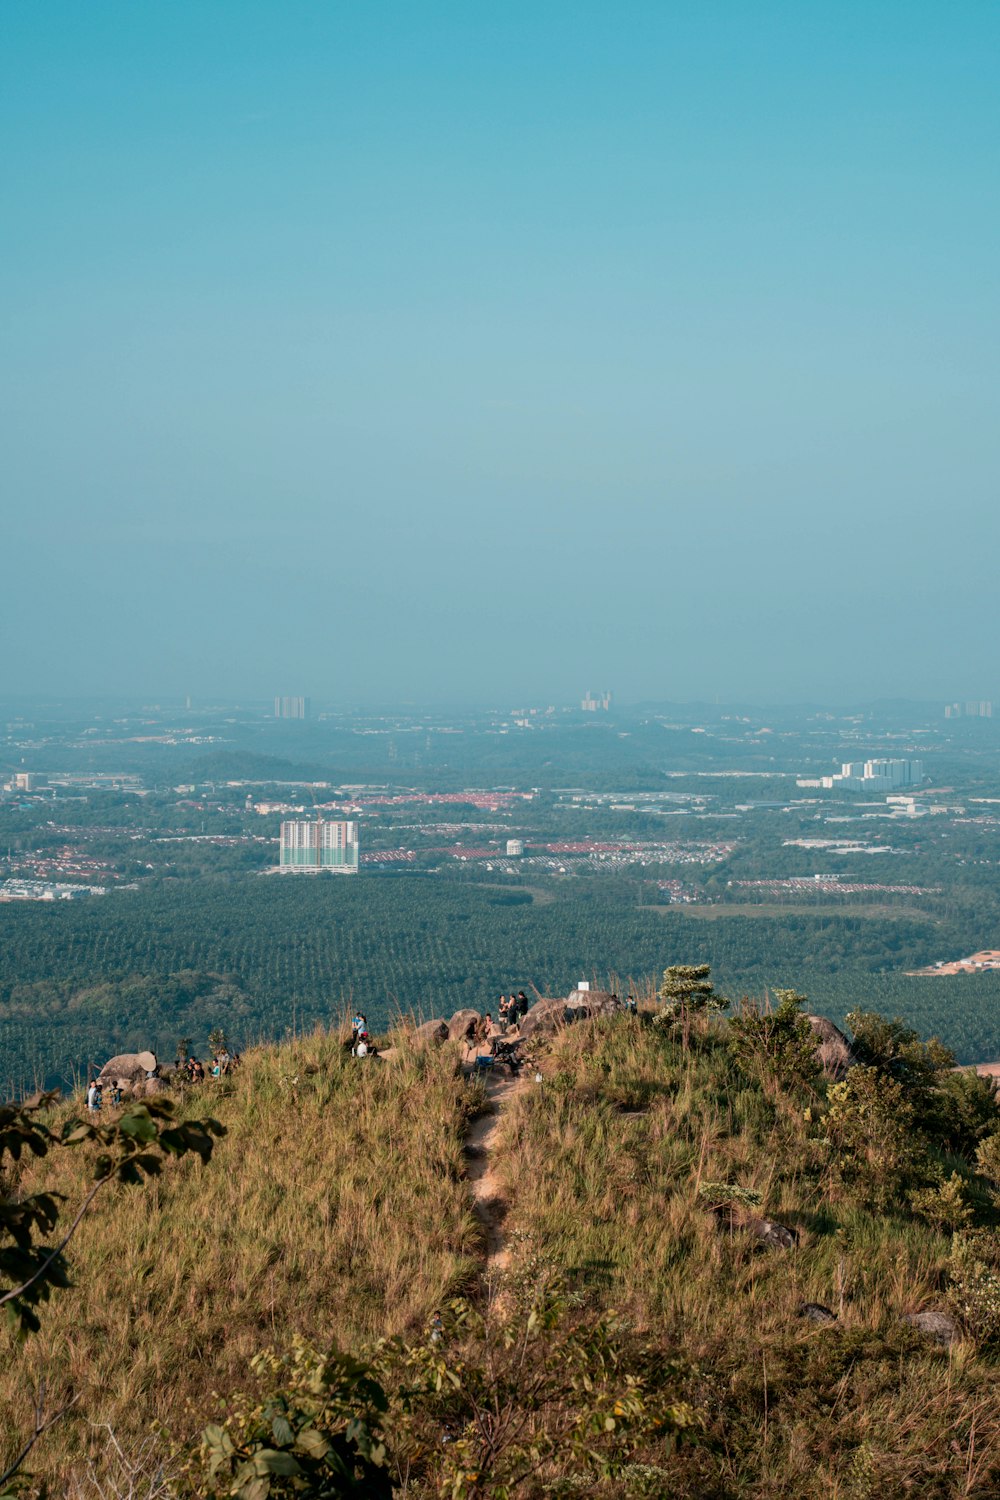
[427,354]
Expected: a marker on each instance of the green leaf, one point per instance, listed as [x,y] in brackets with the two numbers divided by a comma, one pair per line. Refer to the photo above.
[270,1461]
[282,1433]
[312,1443]
[138,1124]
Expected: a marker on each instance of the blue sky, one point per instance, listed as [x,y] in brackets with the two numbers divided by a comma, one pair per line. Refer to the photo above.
[449,351]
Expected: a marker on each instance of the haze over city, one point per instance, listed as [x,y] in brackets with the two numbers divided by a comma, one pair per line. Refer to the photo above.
[443,352]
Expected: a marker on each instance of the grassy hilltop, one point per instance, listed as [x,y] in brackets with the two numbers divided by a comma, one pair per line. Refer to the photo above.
[630,1187]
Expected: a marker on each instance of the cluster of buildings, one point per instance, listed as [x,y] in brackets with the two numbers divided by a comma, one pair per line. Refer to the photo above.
[46,890]
[980,708]
[591,704]
[878,775]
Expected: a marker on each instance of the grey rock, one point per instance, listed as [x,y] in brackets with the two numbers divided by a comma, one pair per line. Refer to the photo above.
[544,1018]
[833,1050]
[775,1236]
[430,1034]
[462,1025]
[816,1313]
[547,1016]
[939,1326]
[128,1068]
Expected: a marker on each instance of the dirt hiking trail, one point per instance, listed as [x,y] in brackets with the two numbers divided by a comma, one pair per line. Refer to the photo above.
[488,1202]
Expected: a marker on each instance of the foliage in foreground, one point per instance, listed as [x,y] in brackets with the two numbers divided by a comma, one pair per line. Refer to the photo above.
[33,1264]
[527,1395]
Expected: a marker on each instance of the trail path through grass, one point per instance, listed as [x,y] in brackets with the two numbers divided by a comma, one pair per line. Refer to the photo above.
[487,1200]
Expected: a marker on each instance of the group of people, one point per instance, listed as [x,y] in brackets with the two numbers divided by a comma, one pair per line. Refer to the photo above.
[223,1063]
[95,1096]
[510,1011]
[361,1042]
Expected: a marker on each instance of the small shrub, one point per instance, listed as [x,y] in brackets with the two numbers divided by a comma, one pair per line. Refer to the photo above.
[974,1277]
[872,1127]
[943,1205]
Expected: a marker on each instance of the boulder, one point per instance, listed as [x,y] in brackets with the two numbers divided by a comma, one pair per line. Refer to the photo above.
[833,1050]
[939,1326]
[775,1236]
[547,1016]
[583,1003]
[150,1086]
[816,1313]
[462,1025]
[544,1018]
[430,1034]
[128,1069]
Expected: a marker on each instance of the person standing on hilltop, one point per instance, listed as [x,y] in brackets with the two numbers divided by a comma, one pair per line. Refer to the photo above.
[94,1097]
[523,1004]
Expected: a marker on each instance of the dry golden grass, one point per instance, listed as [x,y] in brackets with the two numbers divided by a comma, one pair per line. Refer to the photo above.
[335,1207]
[602,1164]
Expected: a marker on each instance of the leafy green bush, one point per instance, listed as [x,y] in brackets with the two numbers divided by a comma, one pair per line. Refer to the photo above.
[776,1044]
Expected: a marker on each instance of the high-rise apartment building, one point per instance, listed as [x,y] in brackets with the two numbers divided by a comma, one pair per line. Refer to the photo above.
[291,708]
[315,844]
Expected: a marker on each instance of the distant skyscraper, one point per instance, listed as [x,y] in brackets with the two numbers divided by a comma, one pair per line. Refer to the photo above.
[592,705]
[980,708]
[291,708]
[317,845]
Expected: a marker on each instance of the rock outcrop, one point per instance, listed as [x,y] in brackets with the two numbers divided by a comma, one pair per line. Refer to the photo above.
[773,1235]
[129,1070]
[430,1034]
[583,1003]
[833,1050]
[544,1018]
[462,1024]
[547,1016]
[939,1326]
[815,1312]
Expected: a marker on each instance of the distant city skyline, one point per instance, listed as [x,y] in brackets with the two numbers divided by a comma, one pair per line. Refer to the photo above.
[462,353]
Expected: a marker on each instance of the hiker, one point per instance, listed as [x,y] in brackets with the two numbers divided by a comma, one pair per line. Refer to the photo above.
[631,1007]
[523,1004]
[94,1097]
[117,1094]
[361,1047]
[363,1028]
[503,1014]
[489,1030]
[357,1021]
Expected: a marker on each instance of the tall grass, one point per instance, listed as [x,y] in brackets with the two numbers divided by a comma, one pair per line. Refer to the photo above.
[602,1163]
[335,1206]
